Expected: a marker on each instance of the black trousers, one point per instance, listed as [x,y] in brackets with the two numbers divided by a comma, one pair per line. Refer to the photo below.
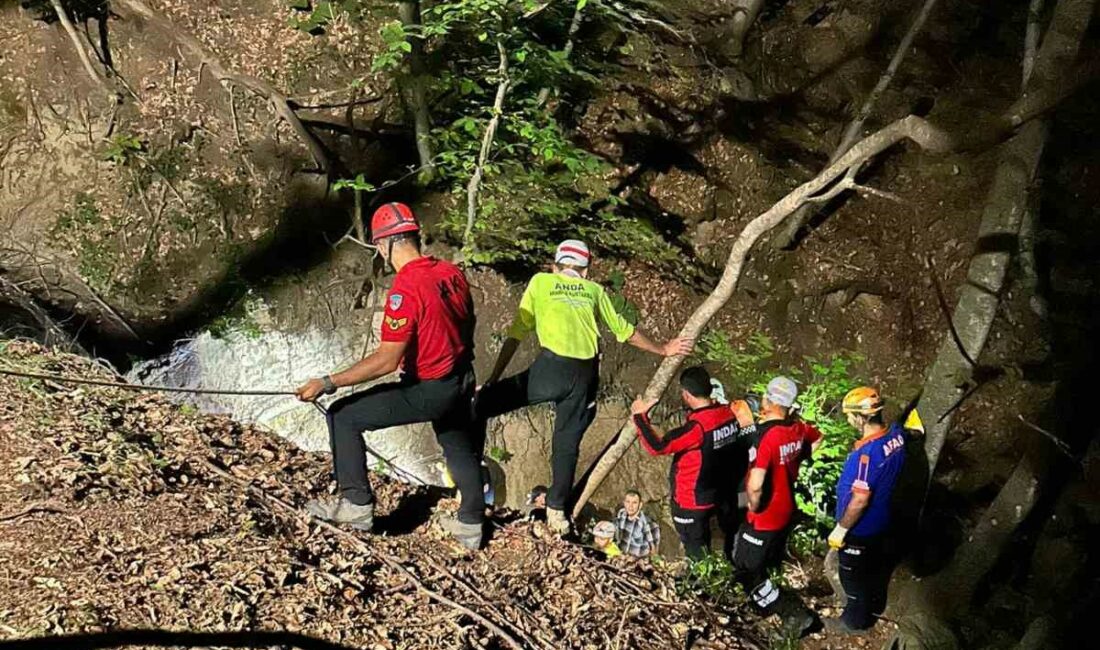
[730,517]
[571,385]
[755,552]
[865,575]
[443,402]
[693,527]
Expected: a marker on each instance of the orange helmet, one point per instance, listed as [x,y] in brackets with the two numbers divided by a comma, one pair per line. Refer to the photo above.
[862,401]
[392,219]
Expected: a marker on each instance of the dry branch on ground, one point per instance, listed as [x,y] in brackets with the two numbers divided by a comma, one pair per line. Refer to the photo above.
[175,521]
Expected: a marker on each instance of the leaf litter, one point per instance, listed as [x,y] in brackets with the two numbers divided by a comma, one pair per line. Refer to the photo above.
[119,510]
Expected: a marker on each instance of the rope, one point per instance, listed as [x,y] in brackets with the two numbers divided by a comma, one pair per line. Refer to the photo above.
[197,391]
[389,463]
[139,387]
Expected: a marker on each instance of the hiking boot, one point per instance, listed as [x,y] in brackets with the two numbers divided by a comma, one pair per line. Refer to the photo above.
[339,510]
[557,521]
[469,535]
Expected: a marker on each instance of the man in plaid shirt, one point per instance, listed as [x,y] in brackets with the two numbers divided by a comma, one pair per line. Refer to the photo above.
[635,534]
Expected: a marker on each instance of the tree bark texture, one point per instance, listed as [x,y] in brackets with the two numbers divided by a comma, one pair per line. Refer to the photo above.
[746,13]
[416,94]
[949,377]
[474,186]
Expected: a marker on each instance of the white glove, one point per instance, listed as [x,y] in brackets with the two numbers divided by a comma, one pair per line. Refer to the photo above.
[836,538]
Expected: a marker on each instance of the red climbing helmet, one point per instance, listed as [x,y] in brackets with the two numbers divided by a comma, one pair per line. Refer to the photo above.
[392,219]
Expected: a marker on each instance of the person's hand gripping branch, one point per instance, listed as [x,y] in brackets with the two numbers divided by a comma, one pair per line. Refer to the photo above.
[678,347]
[642,405]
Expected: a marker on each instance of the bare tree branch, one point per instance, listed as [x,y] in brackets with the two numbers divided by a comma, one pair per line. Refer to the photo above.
[85,60]
[567,51]
[789,233]
[474,185]
[927,135]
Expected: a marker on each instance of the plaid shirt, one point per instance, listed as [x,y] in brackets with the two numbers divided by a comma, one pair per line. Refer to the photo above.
[638,536]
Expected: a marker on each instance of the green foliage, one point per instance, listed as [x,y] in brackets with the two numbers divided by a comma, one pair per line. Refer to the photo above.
[500,454]
[743,366]
[239,319]
[359,184]
[83,213]
[538,186]
[822,384]
[627,309]
[822,387]
[81,227]
[713,578]
[397,45]
[122,149]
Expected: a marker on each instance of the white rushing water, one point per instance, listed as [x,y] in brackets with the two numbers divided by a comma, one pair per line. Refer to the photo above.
[277,360]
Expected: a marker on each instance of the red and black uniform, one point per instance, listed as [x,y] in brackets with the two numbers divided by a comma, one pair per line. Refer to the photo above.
[782,446]
[697,448]
[430,308]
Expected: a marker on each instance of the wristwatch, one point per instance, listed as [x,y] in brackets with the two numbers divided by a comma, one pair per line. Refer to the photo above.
[330,387]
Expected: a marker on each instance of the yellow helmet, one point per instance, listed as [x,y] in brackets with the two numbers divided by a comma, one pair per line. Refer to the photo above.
[863,401]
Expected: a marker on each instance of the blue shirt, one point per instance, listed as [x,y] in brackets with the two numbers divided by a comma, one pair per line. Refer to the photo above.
[873,468]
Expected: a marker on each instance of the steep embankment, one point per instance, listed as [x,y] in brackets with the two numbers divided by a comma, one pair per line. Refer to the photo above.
[121,511]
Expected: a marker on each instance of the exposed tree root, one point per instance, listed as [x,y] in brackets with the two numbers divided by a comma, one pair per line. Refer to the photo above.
[998,233]
[53,334]
[789,232]
[927,135]
[196,50]
[78,45]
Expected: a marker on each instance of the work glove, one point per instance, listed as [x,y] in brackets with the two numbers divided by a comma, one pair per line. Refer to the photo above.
[836,538]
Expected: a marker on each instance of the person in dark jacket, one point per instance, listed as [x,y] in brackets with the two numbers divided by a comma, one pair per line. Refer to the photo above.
[699,450]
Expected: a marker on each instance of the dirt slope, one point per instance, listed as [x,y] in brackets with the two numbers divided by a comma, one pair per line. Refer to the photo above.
[114,514]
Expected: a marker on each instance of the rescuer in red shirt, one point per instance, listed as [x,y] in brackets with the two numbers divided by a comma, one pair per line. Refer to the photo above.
[783,443]
[427,333]
[703,449]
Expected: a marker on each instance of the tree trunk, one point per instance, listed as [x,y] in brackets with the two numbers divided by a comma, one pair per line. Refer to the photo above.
[934,139]
[746,14]
[950,374]
[567,51]
[948,594]
[416,97]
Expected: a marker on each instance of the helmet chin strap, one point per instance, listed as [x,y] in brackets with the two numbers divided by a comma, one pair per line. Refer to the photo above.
[389,253]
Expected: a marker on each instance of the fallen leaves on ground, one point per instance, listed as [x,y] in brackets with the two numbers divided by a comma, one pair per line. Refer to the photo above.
[113,516]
